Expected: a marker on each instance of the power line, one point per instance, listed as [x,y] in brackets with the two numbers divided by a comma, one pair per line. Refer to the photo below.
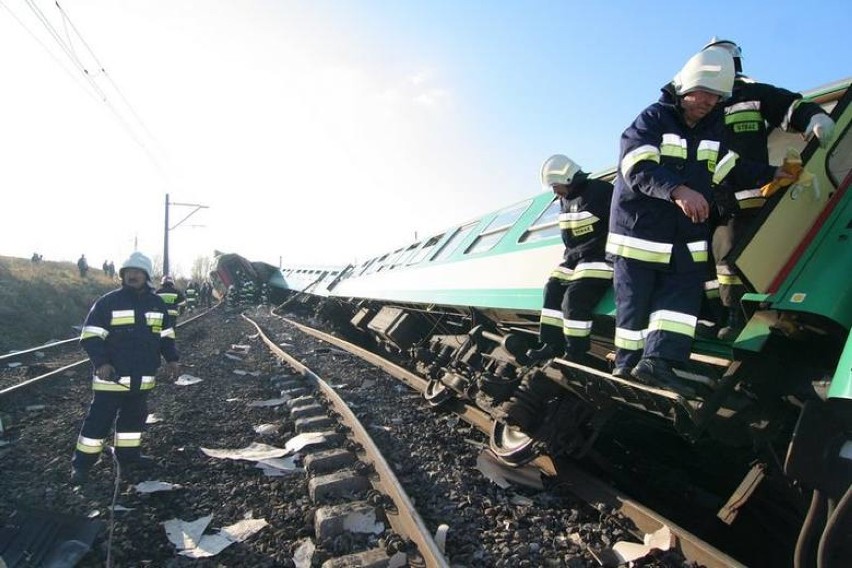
[67,48]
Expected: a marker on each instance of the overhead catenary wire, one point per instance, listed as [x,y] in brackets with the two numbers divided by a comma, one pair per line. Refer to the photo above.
[94,87]
[49,52]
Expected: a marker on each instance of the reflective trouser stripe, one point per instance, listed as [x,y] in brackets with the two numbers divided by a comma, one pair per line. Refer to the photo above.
[89,445]
[629,338]
[128,439]
[577,328]
[551,317]
[675,322]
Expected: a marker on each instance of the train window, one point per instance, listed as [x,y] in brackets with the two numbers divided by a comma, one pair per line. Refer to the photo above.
[498,227]
[545,227]
[453,242]
[405,255]
[840,158]
[366,266]
[426,250]
[378,265]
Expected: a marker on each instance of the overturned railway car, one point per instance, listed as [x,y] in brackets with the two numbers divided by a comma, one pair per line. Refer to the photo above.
[770,410]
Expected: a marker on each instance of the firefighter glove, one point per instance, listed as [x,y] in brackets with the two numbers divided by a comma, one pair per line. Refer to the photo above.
[822,127]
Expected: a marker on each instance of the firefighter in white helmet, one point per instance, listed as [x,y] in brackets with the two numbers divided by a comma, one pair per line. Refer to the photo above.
[575,286]
[751,113]
[660,219]
[126,334]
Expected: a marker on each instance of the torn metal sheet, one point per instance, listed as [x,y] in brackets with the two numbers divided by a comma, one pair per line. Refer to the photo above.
[46,538]
[504,476]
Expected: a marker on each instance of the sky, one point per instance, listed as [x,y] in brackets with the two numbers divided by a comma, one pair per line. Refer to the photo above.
[325,132]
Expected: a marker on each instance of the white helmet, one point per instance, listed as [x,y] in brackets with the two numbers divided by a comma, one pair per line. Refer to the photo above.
[711,70]
[137,260]
[735,50]
[558,169]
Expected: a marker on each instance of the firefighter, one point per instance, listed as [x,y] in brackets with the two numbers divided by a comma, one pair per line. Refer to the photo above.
[125,334]
[581,279]
[174,298]
[191,296]
[659,230]
[574,288]
[751,113]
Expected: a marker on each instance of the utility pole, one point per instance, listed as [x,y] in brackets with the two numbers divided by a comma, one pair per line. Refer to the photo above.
[166,227]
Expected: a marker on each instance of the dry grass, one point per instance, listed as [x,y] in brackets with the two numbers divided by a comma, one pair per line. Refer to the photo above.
[40,302]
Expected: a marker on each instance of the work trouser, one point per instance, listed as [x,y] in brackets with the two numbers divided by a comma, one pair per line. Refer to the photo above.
[570,297]
[656,311]
[725,237]
[128,410]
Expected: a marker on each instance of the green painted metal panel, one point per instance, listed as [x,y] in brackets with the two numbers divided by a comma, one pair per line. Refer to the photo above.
[821,283]
[841,384]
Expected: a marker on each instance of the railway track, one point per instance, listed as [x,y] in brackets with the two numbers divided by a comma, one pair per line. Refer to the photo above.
[582,484]
[465,518]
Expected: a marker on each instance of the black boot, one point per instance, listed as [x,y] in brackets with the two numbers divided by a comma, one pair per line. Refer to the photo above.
[525,409]
[543,353]
[736,322]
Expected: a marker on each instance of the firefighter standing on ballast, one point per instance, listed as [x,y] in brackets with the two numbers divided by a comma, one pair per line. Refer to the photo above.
[125,334]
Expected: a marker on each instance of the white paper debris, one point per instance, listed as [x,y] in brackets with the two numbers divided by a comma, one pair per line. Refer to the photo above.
[186,534]
[661,539]
[441,537]
[153,419]
[304,554]
[279,467]
[212,545]
[122,509]
[14,365]
[268,402]
[154,486]
[253,452]
[184,380]
[266,428]
[240,372]
[304,439]
[233,357]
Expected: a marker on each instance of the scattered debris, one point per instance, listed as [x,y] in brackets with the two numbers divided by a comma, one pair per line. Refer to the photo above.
[304,554]
[264,429]
[153,419]
[185,380]
[441,537]
[661,539]
[192,543]
[504,476]
[154,486]
[269,402]
[252,452]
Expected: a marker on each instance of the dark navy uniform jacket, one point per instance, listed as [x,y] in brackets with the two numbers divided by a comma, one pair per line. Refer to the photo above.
[584,220]
[753,110]
[130,331]
[659,152]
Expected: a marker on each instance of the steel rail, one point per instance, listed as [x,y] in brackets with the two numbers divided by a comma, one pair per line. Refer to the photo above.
[16,354]
[584,486]
[49,374]
[405,519]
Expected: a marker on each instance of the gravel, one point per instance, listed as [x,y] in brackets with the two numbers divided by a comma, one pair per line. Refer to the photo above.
[433,453]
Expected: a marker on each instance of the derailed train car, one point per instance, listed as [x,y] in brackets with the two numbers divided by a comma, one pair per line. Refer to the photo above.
[773,408]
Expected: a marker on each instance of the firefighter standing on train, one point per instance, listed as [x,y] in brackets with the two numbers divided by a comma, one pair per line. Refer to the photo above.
[659,222]
[581,279]
[126,334]
[751,113]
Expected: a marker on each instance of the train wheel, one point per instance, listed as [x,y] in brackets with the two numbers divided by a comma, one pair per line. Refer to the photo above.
[510,445]
[437,393]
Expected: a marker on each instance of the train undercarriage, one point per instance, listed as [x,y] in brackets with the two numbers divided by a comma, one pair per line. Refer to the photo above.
[757,428]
